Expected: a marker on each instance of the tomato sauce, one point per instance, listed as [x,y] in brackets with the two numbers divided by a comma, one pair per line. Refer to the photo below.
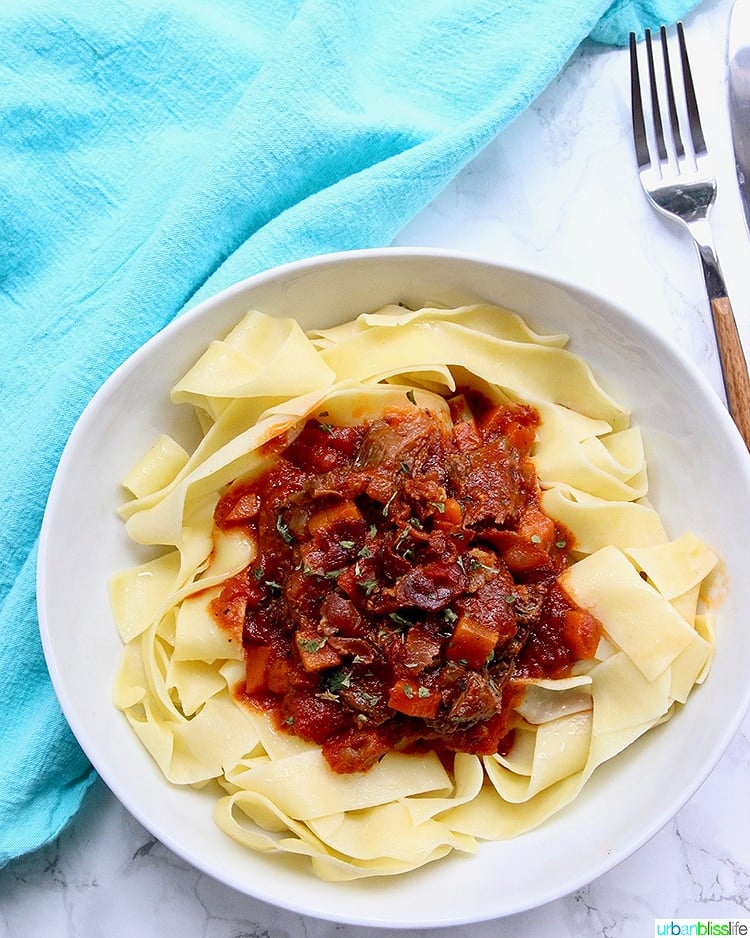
[405,578]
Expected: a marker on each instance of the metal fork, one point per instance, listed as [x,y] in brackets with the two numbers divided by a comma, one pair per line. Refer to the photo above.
[679,184]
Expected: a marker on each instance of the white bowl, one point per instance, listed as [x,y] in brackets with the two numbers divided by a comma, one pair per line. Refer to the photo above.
[700,479]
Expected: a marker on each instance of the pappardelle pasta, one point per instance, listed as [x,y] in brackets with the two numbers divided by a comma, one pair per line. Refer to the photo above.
[411,592]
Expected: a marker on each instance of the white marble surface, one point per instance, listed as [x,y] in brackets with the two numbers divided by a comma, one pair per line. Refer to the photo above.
[556,191]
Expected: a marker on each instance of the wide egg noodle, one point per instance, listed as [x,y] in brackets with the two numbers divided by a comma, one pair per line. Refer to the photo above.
[675,568]
[582,452]
[252,362]
[479,317]
[529,370]
[137,594]
[561,749]
[179,668]
[636,616]
[599,523]
[157,468]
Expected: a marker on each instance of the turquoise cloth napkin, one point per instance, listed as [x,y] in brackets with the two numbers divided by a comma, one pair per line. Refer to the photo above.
[153,151]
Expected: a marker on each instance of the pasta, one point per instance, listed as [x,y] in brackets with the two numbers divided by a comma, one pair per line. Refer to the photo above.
[253,392]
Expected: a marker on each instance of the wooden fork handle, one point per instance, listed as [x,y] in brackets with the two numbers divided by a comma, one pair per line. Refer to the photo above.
[733,365]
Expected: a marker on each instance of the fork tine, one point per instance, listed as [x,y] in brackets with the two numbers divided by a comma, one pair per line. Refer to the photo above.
[696,131]
[671,103]
[655,107]
[639,125]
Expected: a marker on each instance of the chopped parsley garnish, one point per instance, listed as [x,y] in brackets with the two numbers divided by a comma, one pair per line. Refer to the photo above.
[367,586]
[283,528]
[400,620]
[312,644]
[337,680]
[387,506]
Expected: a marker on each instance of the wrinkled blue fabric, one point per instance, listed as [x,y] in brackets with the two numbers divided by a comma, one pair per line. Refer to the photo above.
[154,151]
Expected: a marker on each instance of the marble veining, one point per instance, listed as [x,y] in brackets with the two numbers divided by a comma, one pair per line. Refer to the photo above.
[556,191]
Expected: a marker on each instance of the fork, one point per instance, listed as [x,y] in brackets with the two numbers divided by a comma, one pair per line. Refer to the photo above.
[680,185]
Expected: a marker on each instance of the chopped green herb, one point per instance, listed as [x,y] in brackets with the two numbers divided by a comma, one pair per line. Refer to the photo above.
[405,467]
[272,585]
[403,536]
[365,552]
[408,692]
[367,586]
[327,695]
[475,564]
[338,679]
[400,620]
[347,545]
[439,506]
[561,544]
[289,721]
[423,692]
[283,528]
[312,644]
[511,598]
[387,506]
[410,395]
[535,539]
[372,700]
[325,427]
[450,616]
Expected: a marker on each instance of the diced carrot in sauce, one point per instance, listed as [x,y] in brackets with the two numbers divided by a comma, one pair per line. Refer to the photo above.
[450,516]
[521,436]
[279,675]
[414,699]
[256,660]
[538,528]
[582,632]
[522,555]
[314,651]
[472,642]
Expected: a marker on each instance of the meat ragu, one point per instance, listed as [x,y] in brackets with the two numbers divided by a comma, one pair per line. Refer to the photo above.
[405,578]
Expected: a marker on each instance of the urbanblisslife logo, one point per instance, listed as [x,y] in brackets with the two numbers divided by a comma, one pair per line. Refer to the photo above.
[701,927]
